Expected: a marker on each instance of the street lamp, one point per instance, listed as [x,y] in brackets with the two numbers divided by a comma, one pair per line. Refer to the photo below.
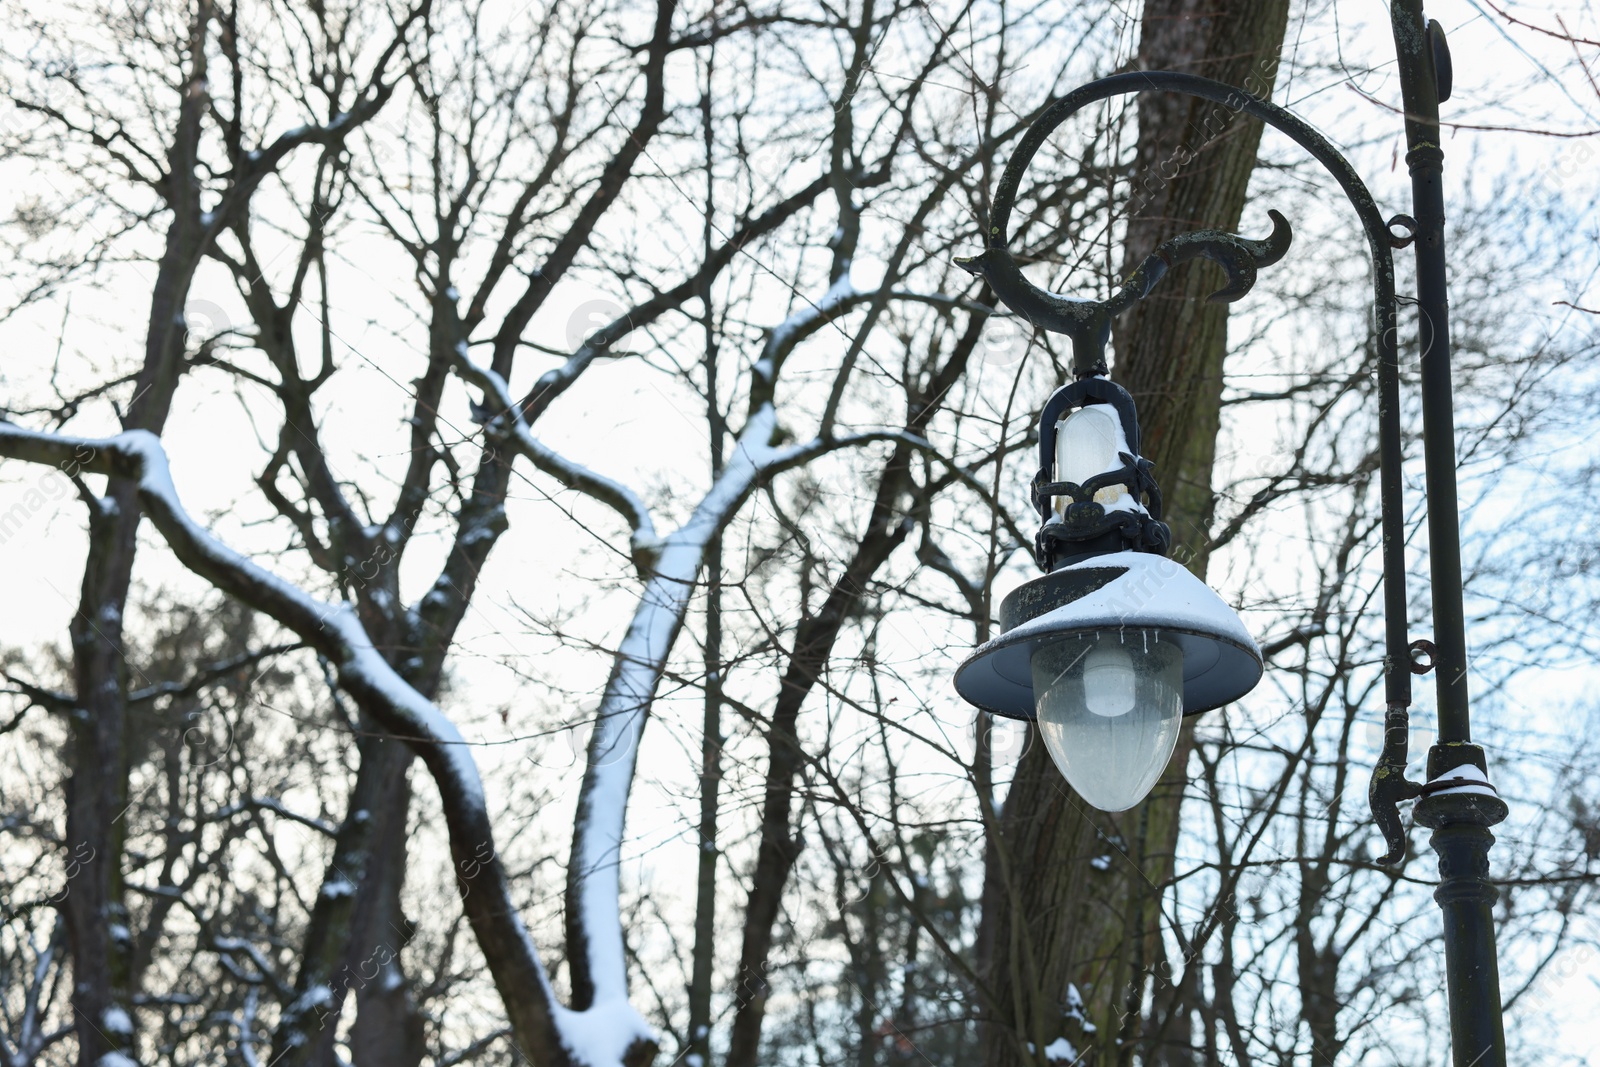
[1114,643]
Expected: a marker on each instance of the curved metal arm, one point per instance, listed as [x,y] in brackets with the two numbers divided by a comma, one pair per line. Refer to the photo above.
[1090,321]
[1239,256]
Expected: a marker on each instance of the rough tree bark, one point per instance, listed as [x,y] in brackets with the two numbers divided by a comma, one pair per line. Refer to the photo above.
[1057,921]
[98,925]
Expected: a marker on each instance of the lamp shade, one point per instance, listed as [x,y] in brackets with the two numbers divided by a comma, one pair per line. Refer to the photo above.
[1118,592]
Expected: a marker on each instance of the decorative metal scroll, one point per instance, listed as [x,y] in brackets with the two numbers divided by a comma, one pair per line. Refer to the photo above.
[1088,322]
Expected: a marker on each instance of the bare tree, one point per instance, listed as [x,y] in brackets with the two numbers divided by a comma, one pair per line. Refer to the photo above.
[613,436]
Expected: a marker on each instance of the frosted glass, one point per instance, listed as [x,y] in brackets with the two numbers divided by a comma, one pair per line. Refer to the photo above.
[1087,443]
[1109,707]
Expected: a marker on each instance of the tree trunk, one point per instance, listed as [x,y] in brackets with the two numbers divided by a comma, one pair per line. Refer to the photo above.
[99,927]
[358,931]
[388,1029]
[703,968]
[780,845]
[1058,919]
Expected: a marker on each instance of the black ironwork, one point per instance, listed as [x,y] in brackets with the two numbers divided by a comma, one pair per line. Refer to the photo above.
[1460,815]
[1443,69]
[1085,528]
[1402,223]
[1424,656]
[1088,322]
[1460,819]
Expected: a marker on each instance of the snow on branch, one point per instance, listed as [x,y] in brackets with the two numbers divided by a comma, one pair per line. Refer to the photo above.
[606,1036]
[597,959]
[802,323]
[842,297]
[621,499]
[596,954]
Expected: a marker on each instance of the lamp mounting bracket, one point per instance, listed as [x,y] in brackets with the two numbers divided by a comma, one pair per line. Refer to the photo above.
[1402,230]
[1087,323]
[1424,655]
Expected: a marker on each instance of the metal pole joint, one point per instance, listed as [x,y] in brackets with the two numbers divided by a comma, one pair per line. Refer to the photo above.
[1455,796]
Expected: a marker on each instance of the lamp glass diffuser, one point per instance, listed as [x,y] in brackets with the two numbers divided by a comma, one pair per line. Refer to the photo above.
[1110,706]
[1087,443]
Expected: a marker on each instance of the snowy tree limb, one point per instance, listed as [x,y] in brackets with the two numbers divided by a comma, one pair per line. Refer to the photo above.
[597,957]
[613,494]
[605,1037]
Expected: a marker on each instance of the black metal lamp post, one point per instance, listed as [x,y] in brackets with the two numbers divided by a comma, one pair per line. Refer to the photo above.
[1113,644]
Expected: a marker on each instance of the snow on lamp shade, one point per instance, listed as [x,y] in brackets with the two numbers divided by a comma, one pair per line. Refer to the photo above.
[1087,443]
[1109,709]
